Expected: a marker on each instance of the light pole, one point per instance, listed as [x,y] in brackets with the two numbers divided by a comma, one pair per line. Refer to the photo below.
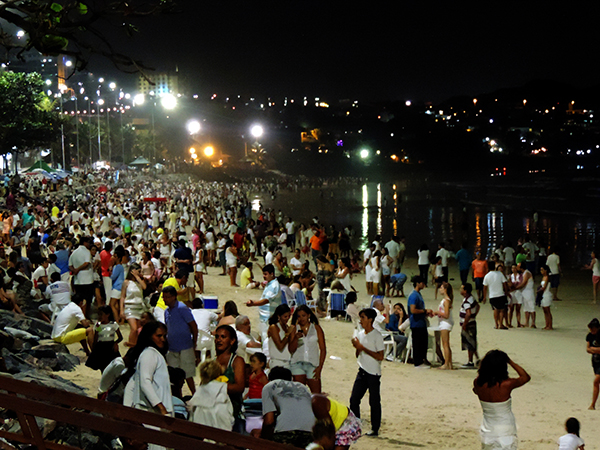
[100,102]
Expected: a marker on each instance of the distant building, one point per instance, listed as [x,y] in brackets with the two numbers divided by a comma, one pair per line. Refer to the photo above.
[164,83]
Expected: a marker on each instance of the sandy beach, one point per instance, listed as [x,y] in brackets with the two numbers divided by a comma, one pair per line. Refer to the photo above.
[437,409]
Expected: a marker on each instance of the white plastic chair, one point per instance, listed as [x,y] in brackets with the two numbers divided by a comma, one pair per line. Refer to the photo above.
[206,342]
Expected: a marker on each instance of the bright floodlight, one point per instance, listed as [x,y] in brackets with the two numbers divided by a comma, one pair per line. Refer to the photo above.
[209,151]
[408,103]
[112,85]
[256,131]
[193,126]
[101,101]
[192,150]
[364,153]
[139,99]
[168,101]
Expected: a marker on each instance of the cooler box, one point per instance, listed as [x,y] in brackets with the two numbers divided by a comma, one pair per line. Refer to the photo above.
[210,301]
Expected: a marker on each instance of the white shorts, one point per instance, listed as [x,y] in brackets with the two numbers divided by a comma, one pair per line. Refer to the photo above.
[185,359]
[115,293]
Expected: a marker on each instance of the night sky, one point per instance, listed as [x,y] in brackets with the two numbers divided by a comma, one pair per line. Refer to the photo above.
[372,50]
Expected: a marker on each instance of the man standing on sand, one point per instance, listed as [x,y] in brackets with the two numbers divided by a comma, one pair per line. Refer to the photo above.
[495,286]
[269,301]
[480,269]
[553,263]
[417,314]
[444,254]
[468,311]
[393,248]
[369,352]
[464,260]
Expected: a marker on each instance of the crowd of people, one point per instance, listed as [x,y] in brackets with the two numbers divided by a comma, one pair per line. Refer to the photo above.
[137,255]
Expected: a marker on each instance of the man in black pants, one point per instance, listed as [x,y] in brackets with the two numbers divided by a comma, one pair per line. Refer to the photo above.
[417,313]
[369,351]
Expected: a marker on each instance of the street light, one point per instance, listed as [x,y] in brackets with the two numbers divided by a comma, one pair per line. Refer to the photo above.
[168,101]
[256,131]
[209,151]
[193,127]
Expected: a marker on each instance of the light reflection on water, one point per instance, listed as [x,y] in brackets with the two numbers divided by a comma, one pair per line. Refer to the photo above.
[426,218]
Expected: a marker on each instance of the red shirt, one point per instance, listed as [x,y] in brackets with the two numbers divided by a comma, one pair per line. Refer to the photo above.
[105,258]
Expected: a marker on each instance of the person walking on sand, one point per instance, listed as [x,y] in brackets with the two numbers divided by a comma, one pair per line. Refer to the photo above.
[495,286]
[594,266]
[369,353]
[593,348]
[493,387]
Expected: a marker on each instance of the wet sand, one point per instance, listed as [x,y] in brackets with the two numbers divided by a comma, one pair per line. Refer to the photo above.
[437,409]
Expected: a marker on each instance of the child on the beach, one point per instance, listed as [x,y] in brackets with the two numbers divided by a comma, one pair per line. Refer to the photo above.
[571,440]
[104,347]
[593,348]
[211,405]
[258,379]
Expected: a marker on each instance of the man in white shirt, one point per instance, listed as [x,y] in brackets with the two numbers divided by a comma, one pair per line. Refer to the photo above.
[444,254]
[245,338]
[80,265]
[553,263]
[495,287]
[393,248]
[59,293]
[65,329]
[369,352]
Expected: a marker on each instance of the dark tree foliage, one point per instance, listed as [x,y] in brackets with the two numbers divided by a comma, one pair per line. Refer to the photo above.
[78,29]
[27,116]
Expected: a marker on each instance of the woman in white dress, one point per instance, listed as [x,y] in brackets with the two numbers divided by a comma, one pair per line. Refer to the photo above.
[375,264]
[342,276]
[493,387]
[446,322]
[546,296]
[528,294]
[516,296]
[132,301]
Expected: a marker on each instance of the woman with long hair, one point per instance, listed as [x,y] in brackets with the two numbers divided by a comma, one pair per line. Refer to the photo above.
[230,312]
[546,296]
[308,349]
[446,322]
[279,337]
[234,369]
[132,301]
[149,385]
[493,387]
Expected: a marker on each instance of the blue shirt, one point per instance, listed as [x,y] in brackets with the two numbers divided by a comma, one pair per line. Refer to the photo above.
[179,334]
[62,260]
[117,277]
[272,293]
[416,320]
[392,325]
[464,259]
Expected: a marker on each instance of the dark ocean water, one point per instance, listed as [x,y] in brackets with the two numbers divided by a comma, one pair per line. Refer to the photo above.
[483,214]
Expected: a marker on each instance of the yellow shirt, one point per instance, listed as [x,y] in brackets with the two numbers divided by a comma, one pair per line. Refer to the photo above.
[245,278]
[55,211]
[338,413]
[170,282]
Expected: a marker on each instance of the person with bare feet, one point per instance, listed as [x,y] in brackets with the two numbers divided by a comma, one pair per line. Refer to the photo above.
[594,266]
[446,322]
[546,296]
[593,348]
[516,296]
[526,287]
[495,286]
